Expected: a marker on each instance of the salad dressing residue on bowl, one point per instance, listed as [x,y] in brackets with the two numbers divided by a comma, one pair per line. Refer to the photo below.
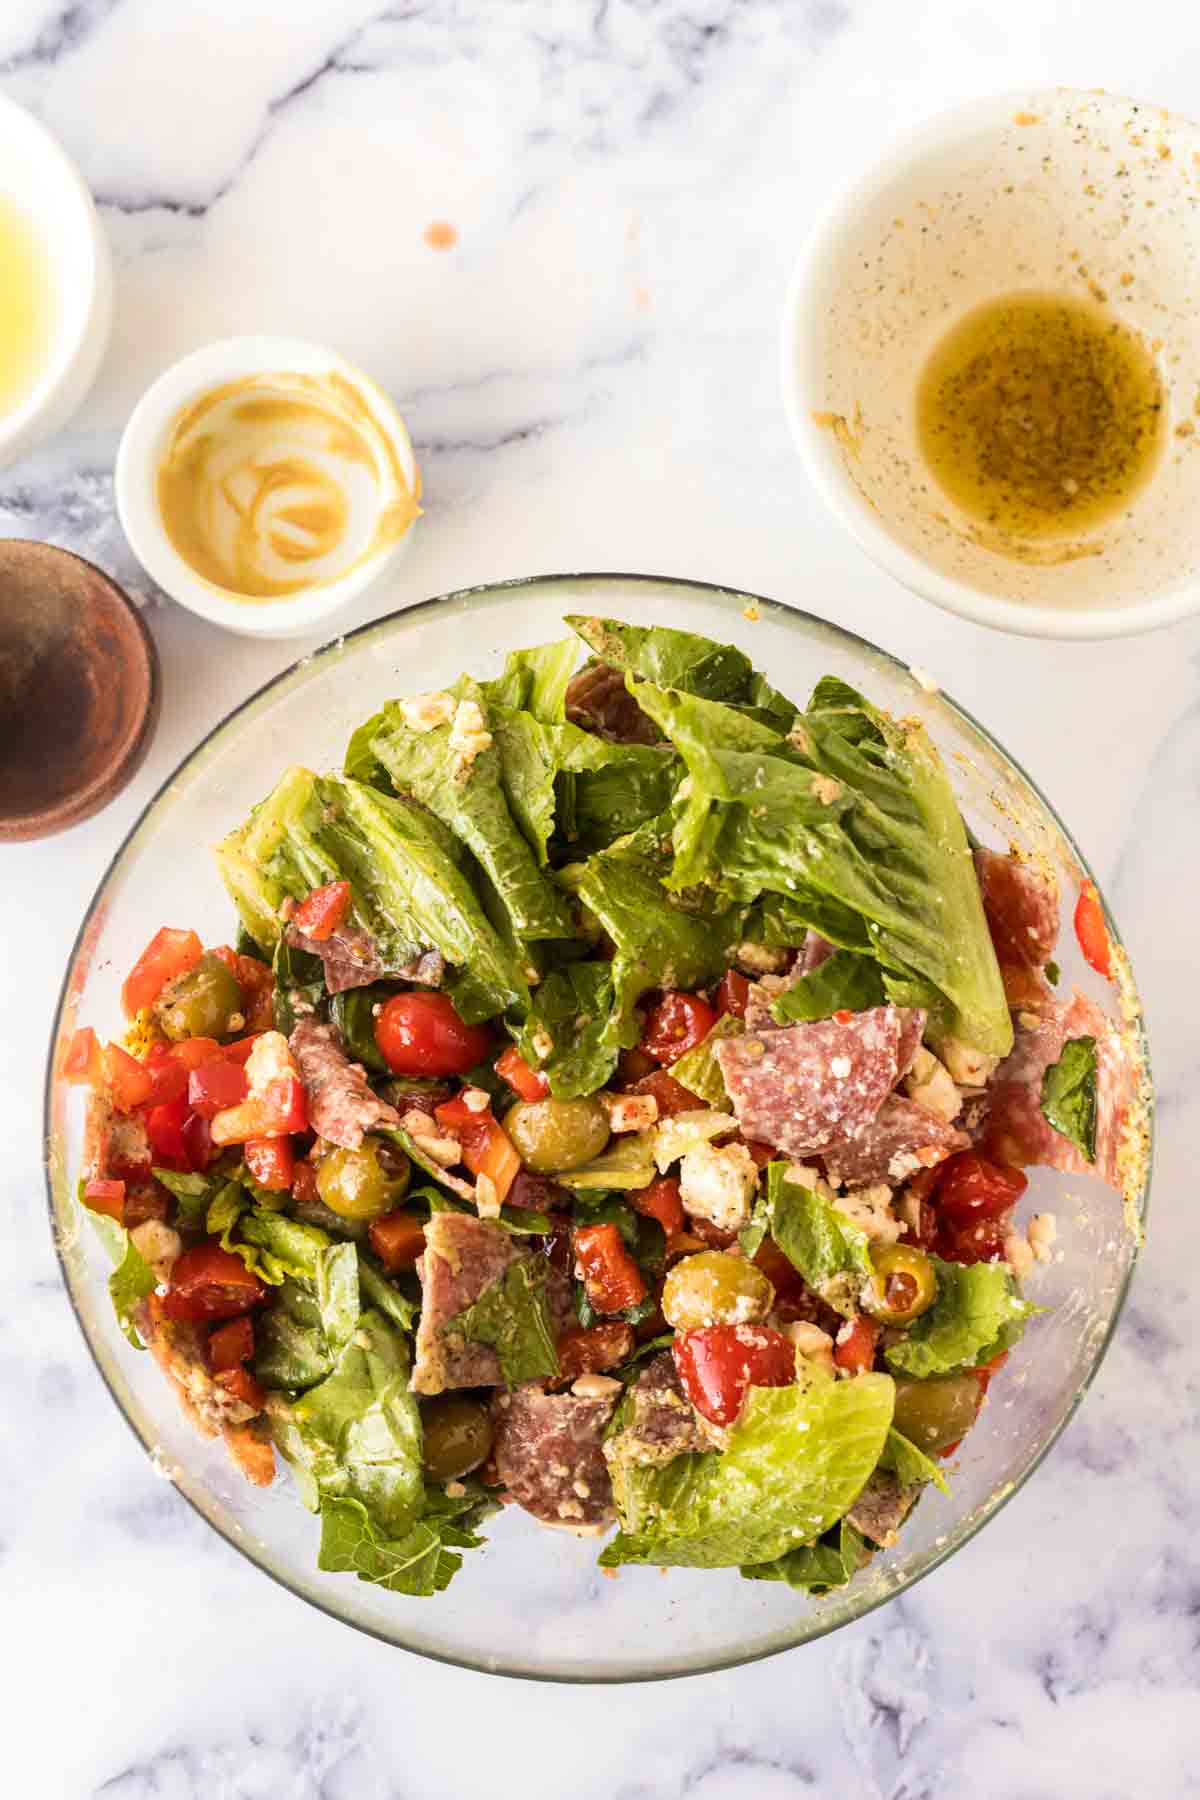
[1041,416]
[27,307]
[278,482]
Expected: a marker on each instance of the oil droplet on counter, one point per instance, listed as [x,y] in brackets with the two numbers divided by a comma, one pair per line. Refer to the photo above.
[27,307]
[1040,416]
[441,235]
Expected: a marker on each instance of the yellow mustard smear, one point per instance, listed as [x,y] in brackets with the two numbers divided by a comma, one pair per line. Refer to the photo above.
[1041,416]
[27,307]
[279,482]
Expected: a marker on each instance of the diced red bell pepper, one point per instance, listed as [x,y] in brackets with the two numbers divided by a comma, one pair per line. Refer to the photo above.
[527,1083]
[169,954]
[197,1141]
[209,1283]
[610,1276]
[591,1349]
[676,1025]
[733,991]
[661,1201]
[854,1347]
[487,1148]
[129,1084]
[718,1363]
[762,1153]
[1091,930]
[241,1384]
[106,1197]
[84,1061]
[164,1128]
[241,1048]
[671,1095]
[272,1162]
[984,1373]
[304,1183]
[216,1085]
[277,1112]
[326,908]
[168,1075]
[398,1238]
[231,1345]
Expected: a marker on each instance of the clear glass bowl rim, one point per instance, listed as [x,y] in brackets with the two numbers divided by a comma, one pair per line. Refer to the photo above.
[380,627]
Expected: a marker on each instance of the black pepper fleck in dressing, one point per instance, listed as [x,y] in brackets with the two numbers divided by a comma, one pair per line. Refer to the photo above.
[1040,416]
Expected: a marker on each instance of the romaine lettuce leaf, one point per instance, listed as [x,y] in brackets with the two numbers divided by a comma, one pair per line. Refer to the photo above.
[1069,1095]
[290,1348]
[700,1072]
[844,980]
[353,1013]
[816,1238]
[911,1467]
[512,1317]
[684,660]
[817,1568]
[571,1008]
[535,680]
[976,1315]
[560,777]
[132,1279]
[383,1295]
[422,1562]
[628,1163]
[796,1461]
[193,1193]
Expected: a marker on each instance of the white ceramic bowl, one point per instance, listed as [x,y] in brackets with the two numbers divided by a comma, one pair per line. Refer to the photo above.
[1084,193]
[141,453]
[41,181]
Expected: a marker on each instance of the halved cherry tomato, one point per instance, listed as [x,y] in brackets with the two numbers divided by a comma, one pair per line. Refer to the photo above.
[210,1283]
[241,1384]
[733,991]
[529,1084]
[214,1086]
[717,1364]
[129,1084]
[326,908]
[231,1344]
[168,954]
[422,1034]
[972,1189]
[983,1242]
[671,1095]
[106,1197]
[398,1238]
[1091,930]
[591,1349]
[487,1148]
[854,1346]
[83,1061]
[197,1141]
[271,1161]
[164,1128]
[676,1025]
[609,1274]
[660,1201]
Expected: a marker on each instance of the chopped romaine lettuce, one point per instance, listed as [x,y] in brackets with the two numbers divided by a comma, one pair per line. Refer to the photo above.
[535,681]
[290,1348]
[797,1459]
[976,1315]
[511,1316]
[417,1563]
[193,1193]
[700,1072]
[817,1568]
[132,1279]
[684,660]
[911,1467]
[565,1032]
[1069,1095]
[844,980]
[628,1163]
[815,1237]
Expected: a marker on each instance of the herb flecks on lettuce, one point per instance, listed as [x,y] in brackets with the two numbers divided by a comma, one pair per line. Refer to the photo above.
[1069,1095]
[511,1317]
[977,1314]
[830,1252]
[817,1568]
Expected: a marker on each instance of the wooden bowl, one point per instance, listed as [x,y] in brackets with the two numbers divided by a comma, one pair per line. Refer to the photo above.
[80,689]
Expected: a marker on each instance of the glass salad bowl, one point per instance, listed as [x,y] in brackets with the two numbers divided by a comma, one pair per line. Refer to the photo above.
[532,1602]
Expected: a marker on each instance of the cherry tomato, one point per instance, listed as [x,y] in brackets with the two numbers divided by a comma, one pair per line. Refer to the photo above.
[983,1242]
[609,1274]
[241,1384]
[717,1364]
[660,1201]
[210,1283]
[676,1025]
[733,991]
[164,1128]
[216,1085]
[422,1034]
[590,1350]
[230,1345]
[854,1346]
[106,1197]
[271,1161]
[143,1201]
[972,1189]
[671,1095]
[319,916]
[529,1084]
[168,954]
[632,1065]
[1091,930]
[398,1238]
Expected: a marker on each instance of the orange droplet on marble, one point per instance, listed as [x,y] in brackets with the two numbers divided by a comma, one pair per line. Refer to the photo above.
[441,235]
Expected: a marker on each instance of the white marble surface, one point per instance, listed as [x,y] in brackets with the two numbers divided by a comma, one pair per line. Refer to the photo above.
[590,379]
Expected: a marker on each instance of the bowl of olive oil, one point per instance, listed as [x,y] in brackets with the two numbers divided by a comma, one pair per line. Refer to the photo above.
[55,284]
[991,365]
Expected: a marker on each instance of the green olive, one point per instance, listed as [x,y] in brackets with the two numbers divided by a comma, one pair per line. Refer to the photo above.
[553,1136]
[715,1288]
[937,1412]
[903,1286]
[458,1436]
[200,1003]
[355,1185]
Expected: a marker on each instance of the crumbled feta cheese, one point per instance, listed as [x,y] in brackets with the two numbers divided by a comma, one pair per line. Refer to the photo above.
[469,737]
[475,1100]
[1018,1255]
[269,1059]
[760,959]
[160,1246]
[870,1208]
[967,1066]
[803,1174]
[487,1200]
[676,1135]
[542,1045]
[930,1084]
[811,1342]
[455,1490]
[1042,1233]
[425,712]
[718,1184]
[595,1387]
[908,1210]
[630,1112]
[445,1151]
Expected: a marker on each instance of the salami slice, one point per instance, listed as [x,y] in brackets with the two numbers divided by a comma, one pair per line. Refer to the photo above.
[548,1453]
[350,959]
[463,1255]
[882,1507]
[1022,911]
[804,1087]
[341,1105]
[1013,1128]
[902,1138]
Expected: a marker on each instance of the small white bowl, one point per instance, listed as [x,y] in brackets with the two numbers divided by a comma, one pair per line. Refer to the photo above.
[140,456]
[42,182]
[1082,193]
